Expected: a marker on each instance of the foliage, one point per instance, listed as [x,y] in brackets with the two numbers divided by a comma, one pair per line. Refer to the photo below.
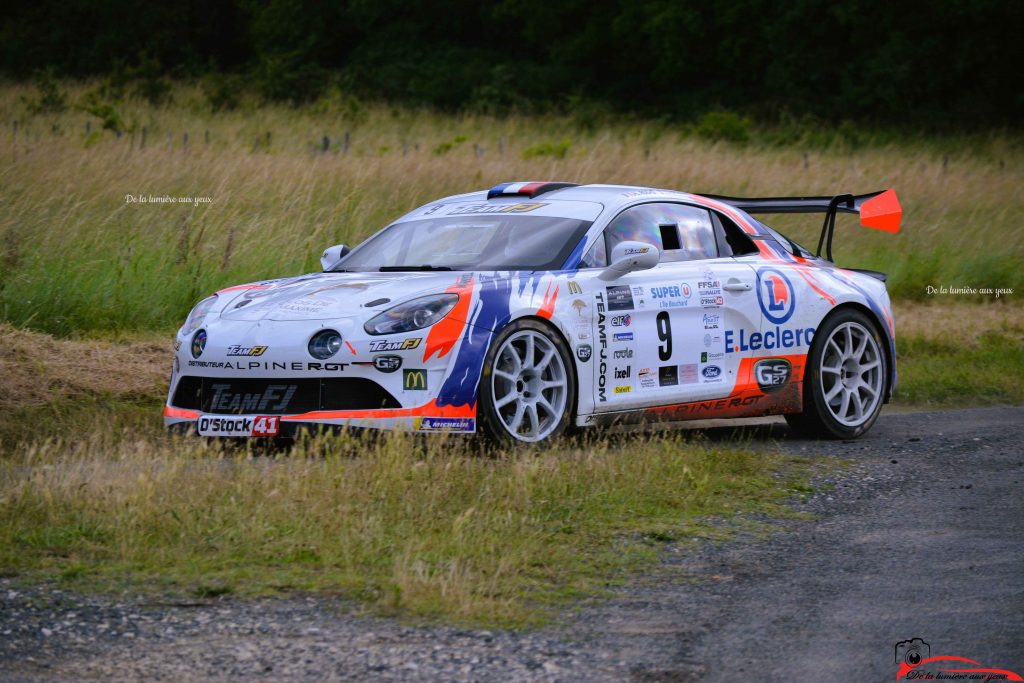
[556,150]
[723,125]
[951,65]
[50,98]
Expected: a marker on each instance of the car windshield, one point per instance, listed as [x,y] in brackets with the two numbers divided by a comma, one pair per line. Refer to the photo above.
[502,242]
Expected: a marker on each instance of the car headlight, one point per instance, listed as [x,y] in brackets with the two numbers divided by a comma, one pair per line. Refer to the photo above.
[412,315]
[324,344]
[198,314]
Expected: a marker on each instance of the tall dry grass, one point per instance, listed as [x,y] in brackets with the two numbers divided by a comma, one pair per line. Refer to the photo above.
[76,256]
[423,527]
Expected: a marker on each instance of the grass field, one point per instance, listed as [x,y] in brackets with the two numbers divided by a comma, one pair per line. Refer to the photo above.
[78,256]
[93,493]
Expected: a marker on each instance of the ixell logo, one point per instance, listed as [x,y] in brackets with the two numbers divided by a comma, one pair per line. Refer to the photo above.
[775,295]
[915,662]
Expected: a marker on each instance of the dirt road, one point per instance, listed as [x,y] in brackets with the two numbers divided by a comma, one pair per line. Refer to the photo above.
[923,536]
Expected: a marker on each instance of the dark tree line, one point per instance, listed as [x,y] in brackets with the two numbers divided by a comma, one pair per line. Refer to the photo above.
[944,63]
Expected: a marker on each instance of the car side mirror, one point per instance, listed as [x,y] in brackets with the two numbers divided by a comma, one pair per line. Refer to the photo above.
[630,256]
[332,255]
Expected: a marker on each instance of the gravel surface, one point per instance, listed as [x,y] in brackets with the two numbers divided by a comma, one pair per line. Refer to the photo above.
[920,537]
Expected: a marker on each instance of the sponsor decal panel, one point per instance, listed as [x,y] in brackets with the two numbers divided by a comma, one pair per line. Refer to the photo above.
[445,424]
[648,378]
[712,373]
[621,354]
[274,398]
[522,207]
[602,350]
[688,373]
[739,341]
[387,364]
[620,298]
[246,350]
[396,345]
[623,373]
[712,321]
[639,298]
[772,373]
[668,376]
[623,336]
[715,406]
[624,389]
[245,366]
[775,295]
[710,357]
[414,380]
[621,320]
[672,296]
[303,305]
[239,425]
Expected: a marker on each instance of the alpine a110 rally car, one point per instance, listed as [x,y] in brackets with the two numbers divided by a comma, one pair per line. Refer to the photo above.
[532,308]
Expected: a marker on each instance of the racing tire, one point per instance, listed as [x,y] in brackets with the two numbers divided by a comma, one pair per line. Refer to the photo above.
[845,378]
[527,391]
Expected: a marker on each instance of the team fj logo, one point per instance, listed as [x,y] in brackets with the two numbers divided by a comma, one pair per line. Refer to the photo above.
[915,663]
[775,294]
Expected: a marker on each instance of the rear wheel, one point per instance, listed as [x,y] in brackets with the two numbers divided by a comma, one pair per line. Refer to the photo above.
[527,389]
[845,378]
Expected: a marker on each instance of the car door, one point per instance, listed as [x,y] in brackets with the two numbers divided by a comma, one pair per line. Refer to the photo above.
[663,329]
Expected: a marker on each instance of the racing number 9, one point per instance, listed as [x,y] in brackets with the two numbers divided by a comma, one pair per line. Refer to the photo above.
[665,335]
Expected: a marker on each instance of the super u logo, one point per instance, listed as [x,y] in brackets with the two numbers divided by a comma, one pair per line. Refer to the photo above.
[775,295]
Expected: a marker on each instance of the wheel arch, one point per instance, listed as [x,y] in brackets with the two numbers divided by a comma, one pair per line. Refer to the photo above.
[882,328]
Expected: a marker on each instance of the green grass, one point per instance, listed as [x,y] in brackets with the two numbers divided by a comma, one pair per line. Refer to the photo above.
[424,528]
[950,373]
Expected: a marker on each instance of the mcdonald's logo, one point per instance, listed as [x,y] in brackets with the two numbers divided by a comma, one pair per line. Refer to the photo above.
[414,380]
[574,288]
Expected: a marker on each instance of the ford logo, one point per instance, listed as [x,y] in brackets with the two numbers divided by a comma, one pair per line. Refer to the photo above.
[711,371]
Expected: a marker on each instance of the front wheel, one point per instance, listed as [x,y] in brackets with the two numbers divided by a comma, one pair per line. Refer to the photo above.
[845,378]
[527,389]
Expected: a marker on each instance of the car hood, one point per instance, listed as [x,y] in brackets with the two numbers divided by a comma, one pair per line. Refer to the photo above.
[324,296]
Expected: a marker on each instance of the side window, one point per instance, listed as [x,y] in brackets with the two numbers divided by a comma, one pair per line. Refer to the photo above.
[596,256]
[732,241]
[680,232]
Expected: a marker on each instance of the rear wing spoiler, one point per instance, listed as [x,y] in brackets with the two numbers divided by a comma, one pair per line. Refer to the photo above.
[880,210]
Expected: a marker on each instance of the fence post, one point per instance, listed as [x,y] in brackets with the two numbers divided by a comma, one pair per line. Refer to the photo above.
[325,144]
[345,144]
[143,142]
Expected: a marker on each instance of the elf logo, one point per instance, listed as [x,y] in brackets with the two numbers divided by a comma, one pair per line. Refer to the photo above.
[775,295]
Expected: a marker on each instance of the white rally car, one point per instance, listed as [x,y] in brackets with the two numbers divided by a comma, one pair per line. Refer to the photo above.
[533,308]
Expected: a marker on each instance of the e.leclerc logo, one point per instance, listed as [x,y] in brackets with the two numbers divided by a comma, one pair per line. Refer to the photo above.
[776,295]
[777,298]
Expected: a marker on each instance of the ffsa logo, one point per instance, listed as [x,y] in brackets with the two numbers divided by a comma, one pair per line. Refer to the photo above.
[776,295]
